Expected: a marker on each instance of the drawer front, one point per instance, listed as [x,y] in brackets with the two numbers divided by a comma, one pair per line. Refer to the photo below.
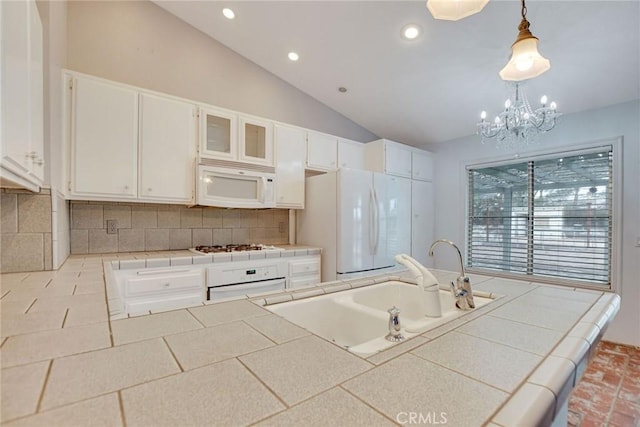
[304,281]
[163,303]
[304,267]
[166,283]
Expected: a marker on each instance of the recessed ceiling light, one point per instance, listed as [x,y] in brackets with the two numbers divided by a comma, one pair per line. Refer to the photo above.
[293,56]
[411,32]
[228,13]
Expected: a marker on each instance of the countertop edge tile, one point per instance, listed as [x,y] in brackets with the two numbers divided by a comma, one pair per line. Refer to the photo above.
[531,405]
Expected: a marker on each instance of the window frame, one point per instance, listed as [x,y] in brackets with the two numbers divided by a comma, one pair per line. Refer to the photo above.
[616,217]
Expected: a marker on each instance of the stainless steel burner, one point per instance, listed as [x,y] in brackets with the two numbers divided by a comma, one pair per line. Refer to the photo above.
[232,248]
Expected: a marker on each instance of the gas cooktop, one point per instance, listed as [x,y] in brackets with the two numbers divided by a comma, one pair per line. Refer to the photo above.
[232,248]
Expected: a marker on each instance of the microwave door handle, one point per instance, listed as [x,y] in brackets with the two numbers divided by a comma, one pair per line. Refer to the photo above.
[262,189]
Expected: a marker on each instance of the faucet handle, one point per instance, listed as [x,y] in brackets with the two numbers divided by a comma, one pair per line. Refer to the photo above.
[394,335]
[465,283]
[461,296]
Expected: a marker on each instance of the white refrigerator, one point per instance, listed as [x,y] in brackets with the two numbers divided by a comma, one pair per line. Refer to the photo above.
[360,219]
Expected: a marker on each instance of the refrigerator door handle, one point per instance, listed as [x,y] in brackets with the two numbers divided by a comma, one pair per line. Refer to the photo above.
[372,219]
[376,221]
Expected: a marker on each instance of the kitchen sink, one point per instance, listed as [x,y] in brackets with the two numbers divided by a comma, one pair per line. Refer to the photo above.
[336,319]
[358,319]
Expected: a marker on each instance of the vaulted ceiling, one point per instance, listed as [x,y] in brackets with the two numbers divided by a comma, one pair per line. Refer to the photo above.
[431,89]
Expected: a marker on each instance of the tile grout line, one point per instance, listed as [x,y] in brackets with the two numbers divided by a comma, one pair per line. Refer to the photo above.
[64,319]
[44,386]
[256,330]
[346,390]
[30,305]
[173,355]
[262,382]
[470,377]
[121,405]
[507,345]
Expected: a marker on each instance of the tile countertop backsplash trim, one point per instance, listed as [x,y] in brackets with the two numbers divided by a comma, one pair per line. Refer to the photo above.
[153,260]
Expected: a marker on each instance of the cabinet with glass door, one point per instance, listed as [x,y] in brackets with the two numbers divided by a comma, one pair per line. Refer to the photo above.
[225,135]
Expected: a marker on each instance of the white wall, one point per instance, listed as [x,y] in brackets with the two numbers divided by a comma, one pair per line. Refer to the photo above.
[139,43]
[574,129]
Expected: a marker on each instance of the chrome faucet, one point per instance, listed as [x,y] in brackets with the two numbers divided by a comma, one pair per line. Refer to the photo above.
[462,289]
[394,335]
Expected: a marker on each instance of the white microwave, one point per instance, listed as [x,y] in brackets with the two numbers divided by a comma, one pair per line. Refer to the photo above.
[235,188]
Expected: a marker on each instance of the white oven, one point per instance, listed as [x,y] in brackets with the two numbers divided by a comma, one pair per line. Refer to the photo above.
[236,188]
[242,278]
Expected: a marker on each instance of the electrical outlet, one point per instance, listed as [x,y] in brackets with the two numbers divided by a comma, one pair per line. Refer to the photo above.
[112,226]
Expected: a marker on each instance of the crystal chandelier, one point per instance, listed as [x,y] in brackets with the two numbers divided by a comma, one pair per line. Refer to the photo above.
[518,123]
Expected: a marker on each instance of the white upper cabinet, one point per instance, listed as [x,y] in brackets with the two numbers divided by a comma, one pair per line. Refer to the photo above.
[127,144]
[291,152]
[322,151]
[422,166]
[256,141]
[227,135]
[21,71]
[104,139]
[350,154]
[167,149]
[218,134]
[388,157]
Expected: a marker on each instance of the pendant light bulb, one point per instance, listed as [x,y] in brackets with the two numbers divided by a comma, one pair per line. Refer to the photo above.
[526,62]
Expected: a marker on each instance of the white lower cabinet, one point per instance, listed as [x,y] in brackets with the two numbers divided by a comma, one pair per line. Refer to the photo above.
[304,271]
[149,290]
[422,221]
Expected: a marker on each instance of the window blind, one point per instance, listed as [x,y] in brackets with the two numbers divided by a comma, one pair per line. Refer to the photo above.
[546,217]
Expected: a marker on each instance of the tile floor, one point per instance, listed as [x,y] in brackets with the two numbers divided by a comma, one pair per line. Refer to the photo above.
[609,391]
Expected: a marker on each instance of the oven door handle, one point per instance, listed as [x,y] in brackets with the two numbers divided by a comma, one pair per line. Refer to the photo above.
[238,287]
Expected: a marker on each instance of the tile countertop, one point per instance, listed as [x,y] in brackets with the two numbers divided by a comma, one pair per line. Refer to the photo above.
[512,362]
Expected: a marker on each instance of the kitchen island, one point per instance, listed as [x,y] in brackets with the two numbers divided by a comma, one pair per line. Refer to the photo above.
[512,362]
